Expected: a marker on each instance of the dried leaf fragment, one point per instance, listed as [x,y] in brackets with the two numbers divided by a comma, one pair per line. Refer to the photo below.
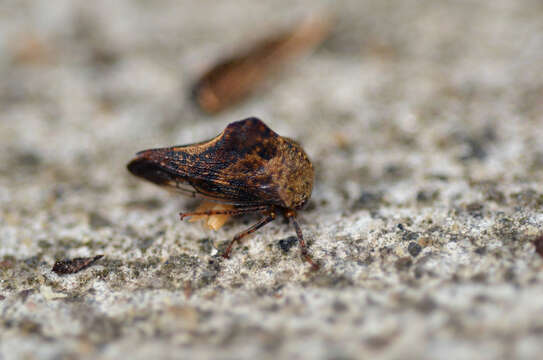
[72,266]
[233,79]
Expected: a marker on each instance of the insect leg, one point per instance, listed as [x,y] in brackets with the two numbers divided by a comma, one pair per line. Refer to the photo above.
[291,215]
[270,217]
[180,187]
[235,211]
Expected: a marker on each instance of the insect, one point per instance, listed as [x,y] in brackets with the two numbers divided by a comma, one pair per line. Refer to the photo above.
[233,79]
[248,166]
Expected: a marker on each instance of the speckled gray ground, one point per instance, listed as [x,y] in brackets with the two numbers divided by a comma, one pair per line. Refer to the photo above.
[423,119]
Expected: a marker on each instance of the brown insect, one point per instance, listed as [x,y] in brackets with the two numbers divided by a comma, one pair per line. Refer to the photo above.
[248,166]
[74,265]
[233,79]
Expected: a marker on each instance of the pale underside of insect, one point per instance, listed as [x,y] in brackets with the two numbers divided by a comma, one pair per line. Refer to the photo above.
[248,166]
[213,222]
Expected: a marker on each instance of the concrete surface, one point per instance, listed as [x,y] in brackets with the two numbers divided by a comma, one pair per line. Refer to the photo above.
[423,120]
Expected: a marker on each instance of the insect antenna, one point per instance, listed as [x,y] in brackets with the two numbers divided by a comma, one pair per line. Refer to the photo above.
[235,211]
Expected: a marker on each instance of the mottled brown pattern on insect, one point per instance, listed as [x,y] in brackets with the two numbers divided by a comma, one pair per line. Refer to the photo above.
[248,165]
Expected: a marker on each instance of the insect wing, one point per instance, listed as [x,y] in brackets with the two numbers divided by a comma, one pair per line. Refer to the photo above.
[230,167]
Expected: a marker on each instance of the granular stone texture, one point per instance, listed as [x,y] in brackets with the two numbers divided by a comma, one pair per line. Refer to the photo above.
[423,120]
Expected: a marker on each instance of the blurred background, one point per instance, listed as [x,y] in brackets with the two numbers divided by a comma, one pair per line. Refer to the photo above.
[422,118]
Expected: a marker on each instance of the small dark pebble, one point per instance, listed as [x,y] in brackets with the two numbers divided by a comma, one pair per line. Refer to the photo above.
[425,196]
[286,244]
[6,264]
[32,261]
[30,327]
[379,342]
[146,242]
[480,278]
[538,243]
[368,260]
[492,194]
[74,265]
[509,274]
[29,159]
[339,306]
[181,262]
[403,263]
[206,245]
[474,207]
[527,198]
[2,297]
[368,200]
[104,56]
[396,171]
[481,299]
[440,177]
[426,305]
[97,221]
[537,329]
[146,204]
[311,206]
[24,294]
[410,235]
[414,248]
[480,250]
[476,150]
